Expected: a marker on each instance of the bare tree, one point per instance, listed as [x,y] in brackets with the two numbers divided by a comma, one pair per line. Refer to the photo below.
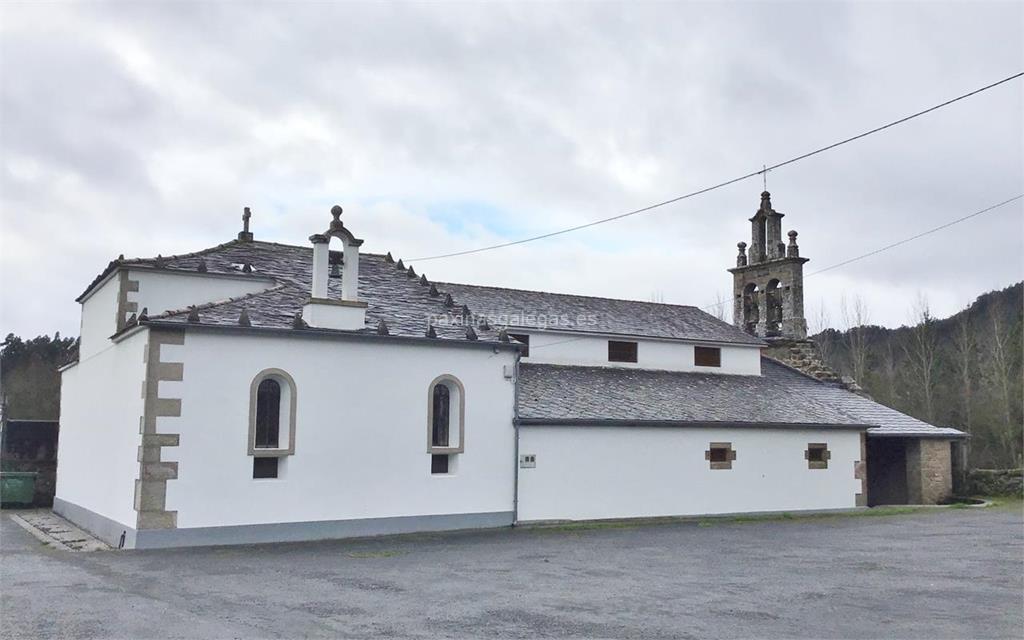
[820,325]
[856,318]
[721,308]
[999,365]
[921,350]
[889,370]
[964,347]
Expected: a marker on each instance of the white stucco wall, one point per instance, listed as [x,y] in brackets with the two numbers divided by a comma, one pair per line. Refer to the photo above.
[668,355]
[100,407]
[620,472]
[99,318]
[161,291]
[361,431]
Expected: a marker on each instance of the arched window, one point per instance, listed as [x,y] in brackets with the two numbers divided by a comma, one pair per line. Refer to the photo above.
[773,306]
[441,421]
[751,310]
[268,414]
[272,402]
[446,410]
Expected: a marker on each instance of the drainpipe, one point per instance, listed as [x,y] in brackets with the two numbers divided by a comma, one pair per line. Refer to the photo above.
[515,426]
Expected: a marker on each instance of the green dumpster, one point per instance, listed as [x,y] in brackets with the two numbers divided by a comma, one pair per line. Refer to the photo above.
[17,487]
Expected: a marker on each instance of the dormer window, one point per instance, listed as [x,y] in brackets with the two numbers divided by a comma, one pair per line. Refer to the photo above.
[707,356]
[619,351]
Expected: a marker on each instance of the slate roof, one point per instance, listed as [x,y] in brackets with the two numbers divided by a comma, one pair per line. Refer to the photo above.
[405,303]
[781,396]
[530,309]
[392,295]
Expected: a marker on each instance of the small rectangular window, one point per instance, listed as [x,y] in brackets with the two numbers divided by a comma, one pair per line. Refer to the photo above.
[720,455]
[524,340]
[817,455]
[621,351]
[707,356]
[264,467]
[438,464]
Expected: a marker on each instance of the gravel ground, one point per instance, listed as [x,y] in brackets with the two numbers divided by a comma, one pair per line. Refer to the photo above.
[939,573]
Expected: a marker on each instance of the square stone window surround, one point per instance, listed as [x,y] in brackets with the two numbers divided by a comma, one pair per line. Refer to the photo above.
[730,455]
[826,455]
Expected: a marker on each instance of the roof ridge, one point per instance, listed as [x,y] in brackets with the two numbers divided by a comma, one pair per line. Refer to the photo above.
[575,295]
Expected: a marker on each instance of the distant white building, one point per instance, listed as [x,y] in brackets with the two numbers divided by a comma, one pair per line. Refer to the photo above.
[258,392]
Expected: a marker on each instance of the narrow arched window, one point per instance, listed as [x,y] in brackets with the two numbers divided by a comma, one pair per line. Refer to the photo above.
[442,416]
[268,414]
[272,403]
[446,414]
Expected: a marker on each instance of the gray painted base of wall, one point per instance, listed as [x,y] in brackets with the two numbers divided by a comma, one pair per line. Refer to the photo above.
[317,530]
[110,531]
[796,513]
[102,527]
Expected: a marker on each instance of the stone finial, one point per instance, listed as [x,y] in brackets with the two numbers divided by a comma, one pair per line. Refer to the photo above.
[448,302]
[245,235]
[503,336]
[336,222]
[741,259]
[465,312]
[243,318]
[158,262]
[120,258]
[193,315]
[470,334]
[400,265]
[382,328]
[423,280]
[388,259]
[298,322]
[766,201]
[246,268]
[433,291]
[132,320]
[411,273]
[430,333]
[201,267]
[144,314]
[792,251]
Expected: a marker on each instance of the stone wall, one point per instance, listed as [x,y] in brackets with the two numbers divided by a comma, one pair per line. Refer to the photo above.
[929,471]
[996,482]
[802,355]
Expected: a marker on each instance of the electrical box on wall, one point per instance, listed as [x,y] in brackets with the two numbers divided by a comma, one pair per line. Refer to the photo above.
[528,461]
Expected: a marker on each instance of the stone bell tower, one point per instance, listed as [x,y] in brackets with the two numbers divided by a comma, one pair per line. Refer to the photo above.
[768,280]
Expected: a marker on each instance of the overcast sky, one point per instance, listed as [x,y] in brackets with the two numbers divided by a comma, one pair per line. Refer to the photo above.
[144,128]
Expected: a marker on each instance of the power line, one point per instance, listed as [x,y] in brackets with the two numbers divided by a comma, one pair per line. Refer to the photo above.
[763,171]
[855,259]
[897,243]
[915,237]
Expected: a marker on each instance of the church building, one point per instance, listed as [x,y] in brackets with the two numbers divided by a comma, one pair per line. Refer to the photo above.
[264,392]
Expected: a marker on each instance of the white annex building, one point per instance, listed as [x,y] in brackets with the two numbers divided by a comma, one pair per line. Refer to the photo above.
[259,392]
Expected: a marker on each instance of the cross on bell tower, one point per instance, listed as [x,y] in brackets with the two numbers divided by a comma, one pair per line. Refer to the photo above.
[768,280]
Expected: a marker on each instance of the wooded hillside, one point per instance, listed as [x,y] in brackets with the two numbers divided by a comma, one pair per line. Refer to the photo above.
[963,371]
[29,382]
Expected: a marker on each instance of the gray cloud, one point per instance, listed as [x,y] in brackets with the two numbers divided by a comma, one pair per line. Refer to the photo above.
[145,128]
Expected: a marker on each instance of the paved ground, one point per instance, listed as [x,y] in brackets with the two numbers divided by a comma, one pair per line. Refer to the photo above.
[953,573]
